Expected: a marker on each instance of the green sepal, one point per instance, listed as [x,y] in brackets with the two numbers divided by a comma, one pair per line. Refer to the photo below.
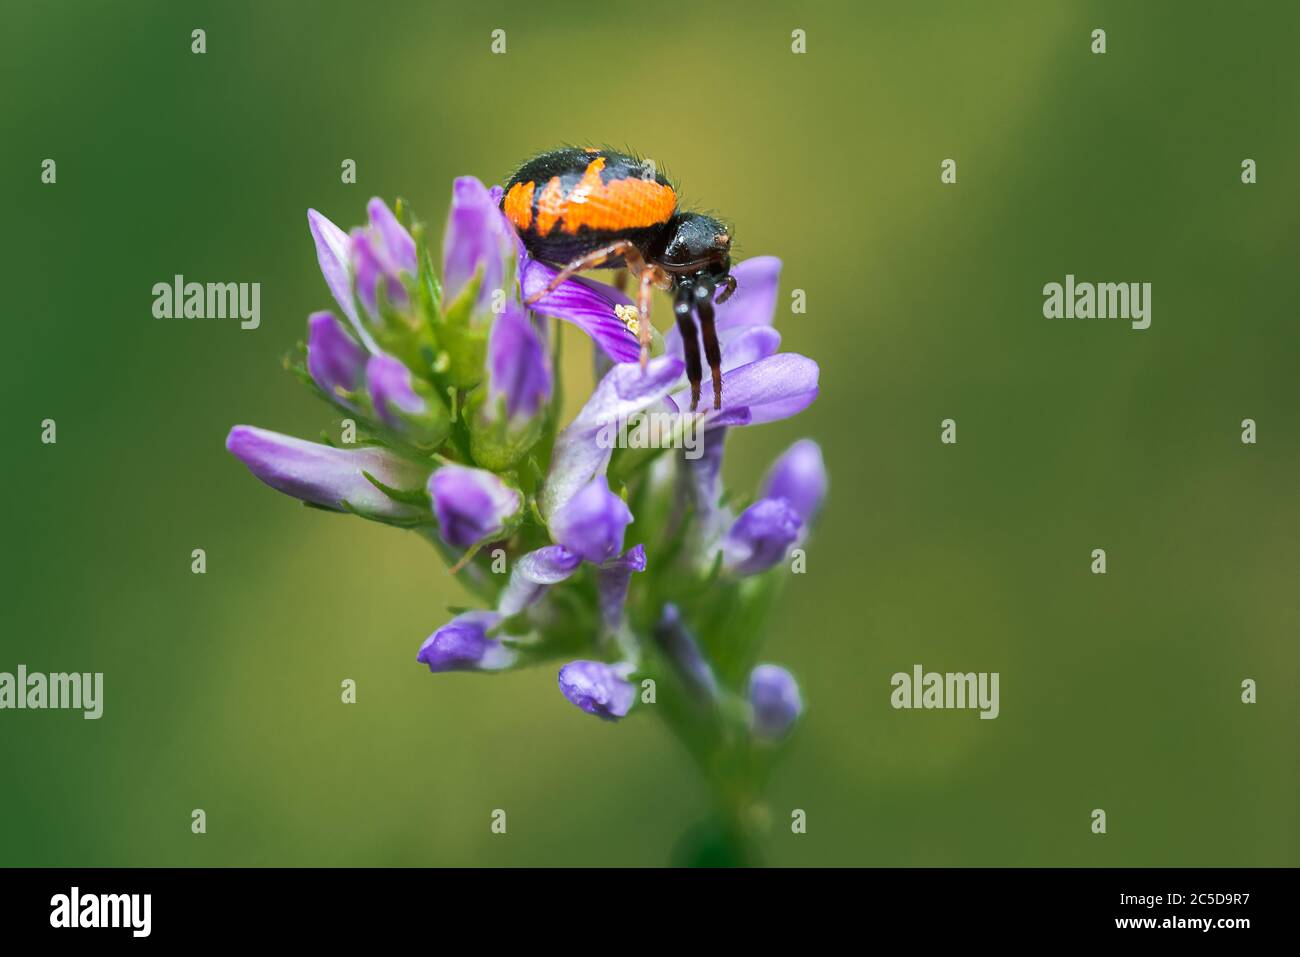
[495,442]
[464,342]
[426,430]
[428,291]
[416,497]
[460,310]
[413,522]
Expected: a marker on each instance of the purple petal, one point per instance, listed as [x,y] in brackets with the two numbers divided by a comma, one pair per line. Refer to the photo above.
[727,416]
[333,253]
[518,367]
[592,522]
[372,266]
[754,301]
[533,574]
[799,477]
[328,476]
[598,688]
[758,539]
[470,504]
[774,697]
[770,389]
[478,236]
[463,645]
[777,378]
[391,391]
[740,345]
[613,579]
[578,457]
[586,304]
[396,240]
[333,357]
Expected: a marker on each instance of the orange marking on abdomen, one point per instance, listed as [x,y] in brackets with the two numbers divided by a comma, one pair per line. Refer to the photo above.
[550,206]
[619,204]
[518,206]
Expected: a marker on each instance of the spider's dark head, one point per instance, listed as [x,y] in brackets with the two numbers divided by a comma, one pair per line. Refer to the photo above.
[694,247]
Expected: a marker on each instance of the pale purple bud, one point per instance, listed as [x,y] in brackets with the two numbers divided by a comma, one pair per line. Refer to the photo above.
[598,688]
[758,539]
[463,645]
[478,237]
[333,478]
[799,477]
[334,359]
[774,697]
[383,252]
[397,242]
[470,504]
[684,652]
[518,368]
[389,381]
[592,522]
[333,253]
[372,267]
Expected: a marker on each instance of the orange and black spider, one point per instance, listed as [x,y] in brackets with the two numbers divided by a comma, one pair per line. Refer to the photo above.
[579,209]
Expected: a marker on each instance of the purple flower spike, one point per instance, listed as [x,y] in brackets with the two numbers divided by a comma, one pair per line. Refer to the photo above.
[683,651]
[592,522]
[333,478]
[334,359]
[463,645]
[391,390]
[613,578]
[478,236]
[586,304]
[518,368]
[598,688]
[470,504]
[533,574]
[758,539]
[774,697]
[799,477]
[332,252]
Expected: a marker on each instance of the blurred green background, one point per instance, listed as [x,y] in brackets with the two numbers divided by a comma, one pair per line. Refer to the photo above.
[924,302]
